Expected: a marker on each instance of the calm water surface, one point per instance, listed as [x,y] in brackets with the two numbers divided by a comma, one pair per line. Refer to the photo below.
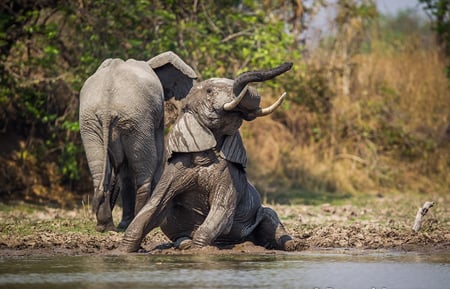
[344,270]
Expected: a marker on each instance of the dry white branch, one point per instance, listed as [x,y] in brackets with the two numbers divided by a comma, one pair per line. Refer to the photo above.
[420,213]
[351,157]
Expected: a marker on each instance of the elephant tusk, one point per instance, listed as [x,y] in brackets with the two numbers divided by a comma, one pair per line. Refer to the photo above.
[235,102]
[270,109]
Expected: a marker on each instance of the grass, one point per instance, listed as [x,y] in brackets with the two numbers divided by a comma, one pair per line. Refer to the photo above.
[27,219]
[387,135]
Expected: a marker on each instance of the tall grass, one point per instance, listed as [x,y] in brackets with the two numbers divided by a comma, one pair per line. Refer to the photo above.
[387,134]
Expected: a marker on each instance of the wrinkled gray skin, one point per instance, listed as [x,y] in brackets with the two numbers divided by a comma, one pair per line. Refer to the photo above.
[204,197]
[122,128]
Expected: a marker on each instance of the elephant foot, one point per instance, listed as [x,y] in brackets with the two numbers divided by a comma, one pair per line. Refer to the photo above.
[289,244]
[105,228]
[285,242]
[183,243]
[130,243]
[130,247]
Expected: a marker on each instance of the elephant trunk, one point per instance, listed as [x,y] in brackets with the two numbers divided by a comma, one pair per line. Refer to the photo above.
[250,103]
[258,76]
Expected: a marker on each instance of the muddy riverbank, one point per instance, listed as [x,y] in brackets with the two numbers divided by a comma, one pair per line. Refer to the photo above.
[369,223]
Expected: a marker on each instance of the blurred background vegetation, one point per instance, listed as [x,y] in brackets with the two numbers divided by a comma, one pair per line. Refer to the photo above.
[368,108]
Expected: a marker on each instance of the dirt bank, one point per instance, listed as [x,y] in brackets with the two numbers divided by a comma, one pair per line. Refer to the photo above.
[363,223]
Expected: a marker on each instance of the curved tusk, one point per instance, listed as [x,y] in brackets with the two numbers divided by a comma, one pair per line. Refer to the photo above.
[235,102]
[270,109]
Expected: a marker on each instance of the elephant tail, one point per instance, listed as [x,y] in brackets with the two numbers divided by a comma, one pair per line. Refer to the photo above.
[103,191]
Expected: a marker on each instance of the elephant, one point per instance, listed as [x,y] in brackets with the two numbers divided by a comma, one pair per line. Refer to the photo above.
[121,118]
[204,197]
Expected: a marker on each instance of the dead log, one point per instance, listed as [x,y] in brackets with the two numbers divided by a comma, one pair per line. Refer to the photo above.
[420,214]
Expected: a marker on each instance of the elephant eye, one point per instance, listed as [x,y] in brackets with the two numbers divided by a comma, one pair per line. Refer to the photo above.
[208,90]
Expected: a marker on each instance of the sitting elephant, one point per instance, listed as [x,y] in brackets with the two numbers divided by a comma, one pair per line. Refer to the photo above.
[122,129]
[203,196]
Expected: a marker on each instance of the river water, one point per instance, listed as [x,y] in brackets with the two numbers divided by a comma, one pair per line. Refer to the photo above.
[312,270]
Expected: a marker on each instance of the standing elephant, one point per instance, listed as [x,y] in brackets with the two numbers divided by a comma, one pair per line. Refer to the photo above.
[203,196]
[122,129]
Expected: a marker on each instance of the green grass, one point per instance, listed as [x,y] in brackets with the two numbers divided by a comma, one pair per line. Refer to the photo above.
[27,219]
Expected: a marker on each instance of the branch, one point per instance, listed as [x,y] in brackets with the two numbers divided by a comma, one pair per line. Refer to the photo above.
[351,157]
[236,35]
[420,213]
[211,23]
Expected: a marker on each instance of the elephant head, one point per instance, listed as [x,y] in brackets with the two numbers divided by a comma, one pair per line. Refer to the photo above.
[214,111]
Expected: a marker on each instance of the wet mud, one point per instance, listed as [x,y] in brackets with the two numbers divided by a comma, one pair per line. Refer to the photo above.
[382,225]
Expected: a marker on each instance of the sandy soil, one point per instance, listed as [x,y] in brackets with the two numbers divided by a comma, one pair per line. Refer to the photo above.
[381,223]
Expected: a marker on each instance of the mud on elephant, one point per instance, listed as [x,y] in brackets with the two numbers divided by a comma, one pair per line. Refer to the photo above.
[204,197]
[122,129]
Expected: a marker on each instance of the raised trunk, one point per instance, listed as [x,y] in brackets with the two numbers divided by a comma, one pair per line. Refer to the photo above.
[258,76]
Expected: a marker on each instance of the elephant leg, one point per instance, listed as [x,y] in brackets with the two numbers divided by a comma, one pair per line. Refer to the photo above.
[143,183]
[128,198]
[223,206]
[182,220]
[173,181]
[218,220]
[140,151]
[271,233]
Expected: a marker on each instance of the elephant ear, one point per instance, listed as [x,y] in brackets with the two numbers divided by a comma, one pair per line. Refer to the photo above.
[233,149]
[188,135]
[177,78]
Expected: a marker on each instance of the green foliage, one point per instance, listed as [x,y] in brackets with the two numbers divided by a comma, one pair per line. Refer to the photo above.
[49,48]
